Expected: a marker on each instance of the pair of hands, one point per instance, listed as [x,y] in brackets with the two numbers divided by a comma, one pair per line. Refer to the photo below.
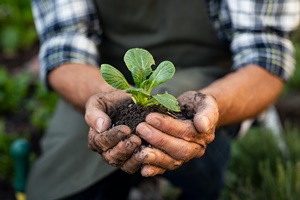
[173,141]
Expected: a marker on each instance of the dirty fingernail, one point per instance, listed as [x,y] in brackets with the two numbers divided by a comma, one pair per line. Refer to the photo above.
[150,157]
[147,172]
[99,125]
[140,156]
[205,122]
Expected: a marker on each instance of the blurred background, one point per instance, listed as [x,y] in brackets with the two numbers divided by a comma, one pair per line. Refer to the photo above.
[264,164]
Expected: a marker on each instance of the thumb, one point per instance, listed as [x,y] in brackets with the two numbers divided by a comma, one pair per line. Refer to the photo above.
[207,115]
[95,114]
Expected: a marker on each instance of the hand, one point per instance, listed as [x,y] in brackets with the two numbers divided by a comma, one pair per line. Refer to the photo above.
[174,141]
[115,144]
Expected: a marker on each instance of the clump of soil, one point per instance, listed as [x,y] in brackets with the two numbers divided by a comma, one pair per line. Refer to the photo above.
[131,114]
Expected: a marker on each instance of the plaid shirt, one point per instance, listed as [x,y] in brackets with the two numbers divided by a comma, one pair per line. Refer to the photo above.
[257,32]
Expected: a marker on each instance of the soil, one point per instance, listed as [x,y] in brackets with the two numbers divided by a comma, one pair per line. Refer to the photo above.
[131,114]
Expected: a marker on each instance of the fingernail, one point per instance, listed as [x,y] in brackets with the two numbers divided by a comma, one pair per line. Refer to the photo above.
[140,156]
[154,122]
[147,172]
[99,124]
[151,157]
[145,133]
[205,122]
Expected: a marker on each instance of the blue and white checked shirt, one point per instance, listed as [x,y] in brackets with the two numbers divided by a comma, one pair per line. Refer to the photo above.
[257,31]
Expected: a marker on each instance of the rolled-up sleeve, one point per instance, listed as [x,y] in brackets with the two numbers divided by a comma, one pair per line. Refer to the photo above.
[69,32]
[260,34]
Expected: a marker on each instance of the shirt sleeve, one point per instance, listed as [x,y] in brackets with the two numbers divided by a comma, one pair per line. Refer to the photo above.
[260,34]
[69,32]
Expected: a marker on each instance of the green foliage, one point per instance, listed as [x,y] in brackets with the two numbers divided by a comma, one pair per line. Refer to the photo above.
[294,82]
[13,90]
[21,95]
[139,62]
[17,26]
[41,106]
[260,170]
[6,161]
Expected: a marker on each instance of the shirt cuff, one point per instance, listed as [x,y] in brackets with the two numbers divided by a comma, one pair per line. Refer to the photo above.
[269,51]
[66,49]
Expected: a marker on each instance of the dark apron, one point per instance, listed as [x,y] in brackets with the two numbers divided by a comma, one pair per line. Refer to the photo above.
[175,30]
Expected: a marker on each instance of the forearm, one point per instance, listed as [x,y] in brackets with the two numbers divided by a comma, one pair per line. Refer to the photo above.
[244,94]
[77,82]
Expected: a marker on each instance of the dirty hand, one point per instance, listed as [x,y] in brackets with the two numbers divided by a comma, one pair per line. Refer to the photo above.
[175,141]
[115,144]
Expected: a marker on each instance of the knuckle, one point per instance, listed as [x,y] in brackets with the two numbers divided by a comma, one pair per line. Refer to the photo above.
[111,159]
[185,153]
[176,164]
[87,116]
[91,147]
[161,143]
[200,153]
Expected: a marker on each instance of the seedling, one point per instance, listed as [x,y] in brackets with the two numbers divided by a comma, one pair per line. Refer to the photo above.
[139,62]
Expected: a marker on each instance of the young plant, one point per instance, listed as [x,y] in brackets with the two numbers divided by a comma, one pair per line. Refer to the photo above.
[139,62]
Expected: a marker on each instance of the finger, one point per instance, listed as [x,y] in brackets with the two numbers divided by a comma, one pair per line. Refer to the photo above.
[122,151]
[150,170]
[106,140]
[183,129]
[133,164]
[205,108]
[156,157]
[207,115]
[175,147]
[178,128]
[95,115]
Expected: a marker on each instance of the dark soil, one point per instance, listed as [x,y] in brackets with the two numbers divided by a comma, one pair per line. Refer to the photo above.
[131,114]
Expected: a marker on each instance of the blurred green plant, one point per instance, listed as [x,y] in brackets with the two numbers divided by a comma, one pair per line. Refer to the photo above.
[259,170]
[21,94]
[17,26]
[6,161]
[294,82]
[41,106]
[24,93]
[13,90]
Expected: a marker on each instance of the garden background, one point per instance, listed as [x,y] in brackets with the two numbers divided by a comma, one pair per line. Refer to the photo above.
[260,168]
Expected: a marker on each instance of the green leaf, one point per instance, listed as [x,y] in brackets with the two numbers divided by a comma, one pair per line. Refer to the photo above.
[141,58]
[137,91]
[114,77]
[168,100]
[164,72]
[138,76]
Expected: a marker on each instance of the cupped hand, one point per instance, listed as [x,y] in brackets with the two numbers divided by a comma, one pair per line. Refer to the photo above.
[116,144]
[174,141]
